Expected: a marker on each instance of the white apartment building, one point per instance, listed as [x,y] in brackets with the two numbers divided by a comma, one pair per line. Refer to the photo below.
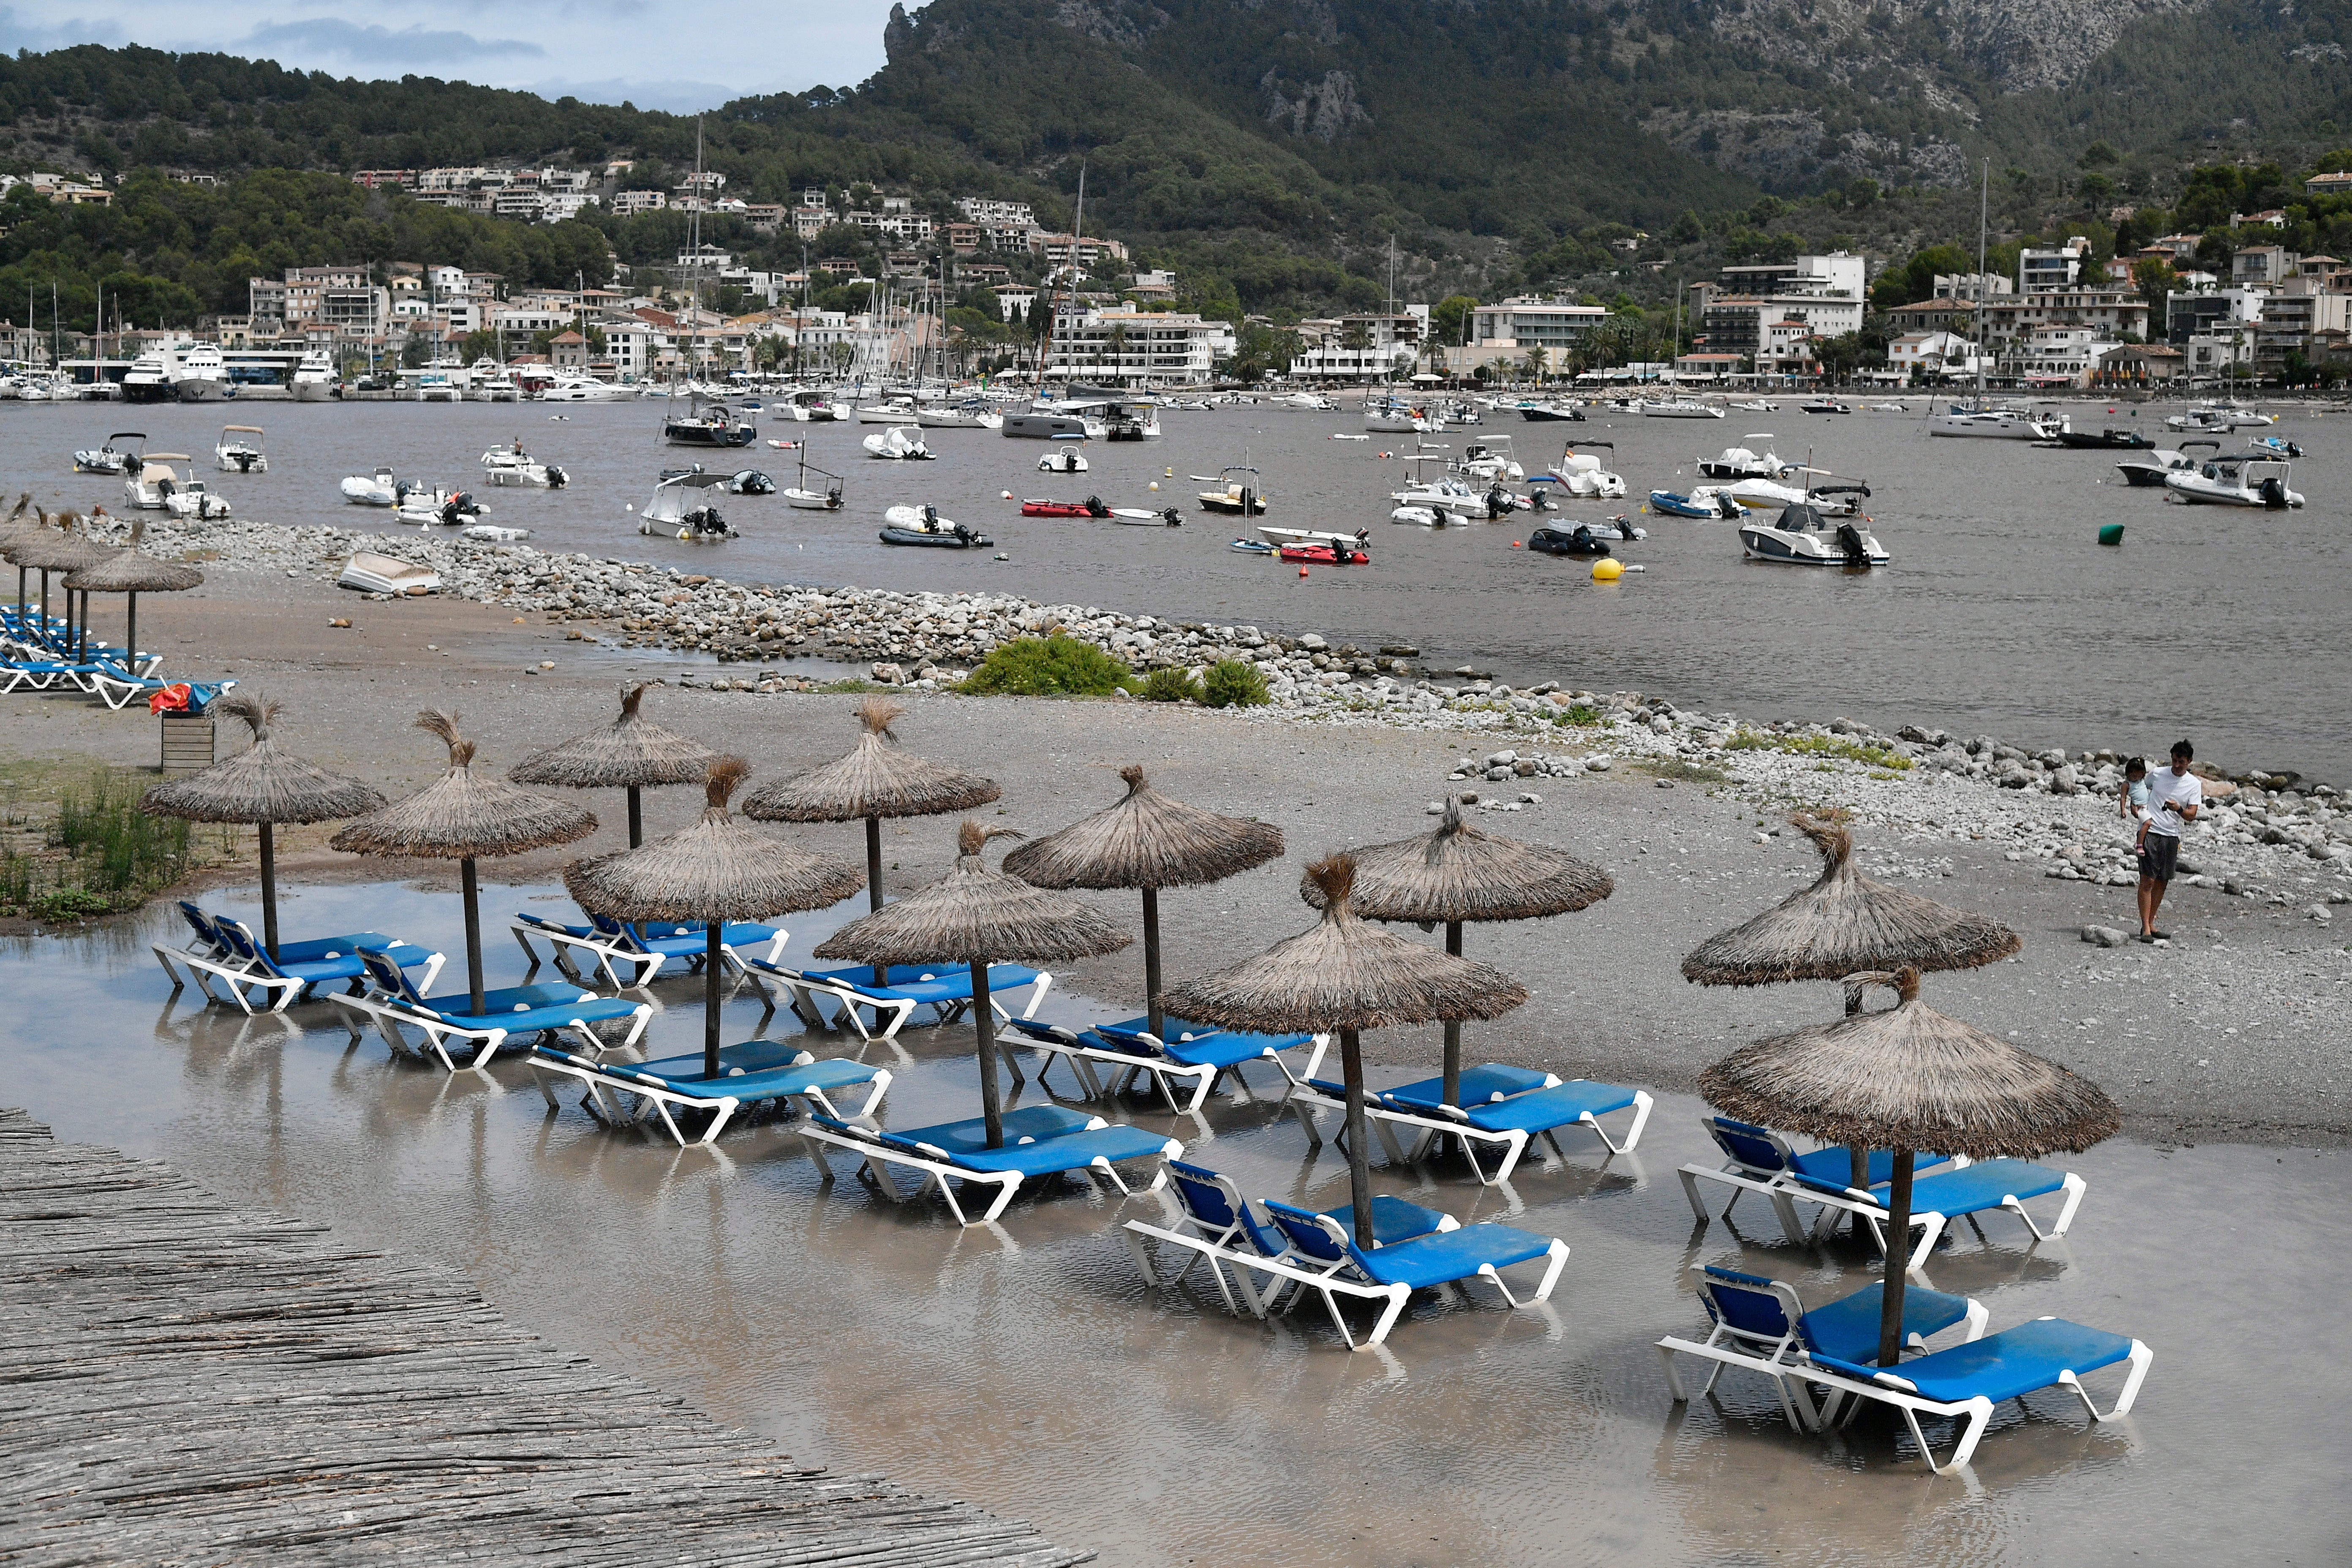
[2112,312]
[2057,355]
[2042,270]
[982,210]
[1972,286]
[625,203]
[1391,346]
[1526,322]
[1933,356]
[1135,349]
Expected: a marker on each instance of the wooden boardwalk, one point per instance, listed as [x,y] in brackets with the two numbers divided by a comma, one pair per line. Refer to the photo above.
[181,1383]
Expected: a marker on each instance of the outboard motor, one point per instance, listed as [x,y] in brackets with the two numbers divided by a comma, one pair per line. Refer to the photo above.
[1498,503]
[1727,509]
[1174,518]
[963,534]
[2273,493]
[165,489]
[930,517]
[1584,543]
[1094,507]
[1849,540]
[1624,528]
[556,477]
[450,516]
[1539,500]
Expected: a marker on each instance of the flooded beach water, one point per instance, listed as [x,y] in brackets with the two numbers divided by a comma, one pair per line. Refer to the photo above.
[2000,612]
[1025,1367]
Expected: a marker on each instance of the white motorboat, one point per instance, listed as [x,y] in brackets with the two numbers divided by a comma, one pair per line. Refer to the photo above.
[924,528]
[895,411]
[571,386]
[372,573]
[430,506]
[2220,419]
[152,486]
[1679,408]
[1049,420]
[2146,468]
[1394,415]
[1445,498]
[149,379]
[812,408]
[1488,460]
[1581,476]
[972,416]
[682,507]
[314,378]
[190,502]
[202,375]
[1744,461]
[1131,422]
[1801,536]
[899,443]
[376,490]
[236,454]
[1067,460]
[1238,493]
[492,383]
[110,459]
[510,466]
[1756,405]
[1991,424]
[492,533]
[2242,478]
[1310,400]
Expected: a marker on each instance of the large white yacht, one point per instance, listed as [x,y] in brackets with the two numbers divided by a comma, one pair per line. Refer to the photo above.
[201,375]
[314,378]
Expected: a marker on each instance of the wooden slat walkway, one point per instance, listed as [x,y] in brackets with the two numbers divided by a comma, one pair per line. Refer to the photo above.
[181,1383]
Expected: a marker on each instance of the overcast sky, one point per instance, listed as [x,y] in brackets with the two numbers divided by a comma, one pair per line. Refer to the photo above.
[657,54]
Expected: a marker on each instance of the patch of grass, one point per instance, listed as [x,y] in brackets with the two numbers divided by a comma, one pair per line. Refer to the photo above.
[1832,748]
[850,688]
[1047,666]
[100,853]
[1883,774]
[1234,683]
[1579,715]
[1169,685]
[1675,768]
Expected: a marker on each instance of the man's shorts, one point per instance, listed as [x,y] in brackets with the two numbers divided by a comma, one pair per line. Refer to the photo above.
[2159,853]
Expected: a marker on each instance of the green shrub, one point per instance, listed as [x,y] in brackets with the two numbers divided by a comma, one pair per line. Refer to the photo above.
[1058,666]
[115,847]
[1169,685]
[1234,683]
[1580,716]
[1831,746]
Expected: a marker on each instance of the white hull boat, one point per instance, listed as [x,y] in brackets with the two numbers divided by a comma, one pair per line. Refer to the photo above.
[375,490]
[152,486]
[1743,462]
[1679,408]
[1581,474]
[2218,419]
[1990,424]
[2246,479]
[510,467]
[1068,460]
[191,503]
[372,573]
[899,443]
[1801,536]
[968,417]
[236,454]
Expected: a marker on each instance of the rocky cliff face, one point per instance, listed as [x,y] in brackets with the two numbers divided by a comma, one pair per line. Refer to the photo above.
[2018,47]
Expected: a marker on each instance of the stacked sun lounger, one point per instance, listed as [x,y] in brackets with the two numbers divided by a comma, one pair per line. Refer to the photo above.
[628,953]
[1192,1055]
[855,993]
[750,1073]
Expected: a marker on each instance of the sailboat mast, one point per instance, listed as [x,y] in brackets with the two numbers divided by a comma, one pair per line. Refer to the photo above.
[1984,207]
[694,297]
[1053,309]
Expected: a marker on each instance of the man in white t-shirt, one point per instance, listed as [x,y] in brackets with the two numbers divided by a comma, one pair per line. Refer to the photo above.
[2175,796]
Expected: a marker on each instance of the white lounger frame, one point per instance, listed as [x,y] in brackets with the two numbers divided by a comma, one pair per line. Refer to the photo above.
[1201,1082]
[890,1012]
[1929,1224]
[438,1033]
[938,1165]
[609,954]
[1975,1415]
[611,1090]
[244,984]
[1305,1098]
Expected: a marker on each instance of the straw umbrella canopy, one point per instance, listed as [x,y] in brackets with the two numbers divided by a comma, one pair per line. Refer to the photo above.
[131,573]
[1908,1079]
[1458,874]
[875,779]
[630,753]
[714,871]
[15,526]
[977,916]
[58,549]
[1150,842]
[1350,976]
[465,818]
[262,785]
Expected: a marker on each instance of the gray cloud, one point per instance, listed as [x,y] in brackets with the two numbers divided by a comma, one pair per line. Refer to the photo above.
[676,97]
[381,50]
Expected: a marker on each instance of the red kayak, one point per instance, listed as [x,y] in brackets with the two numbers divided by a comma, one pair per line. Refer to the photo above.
[1325,555]
[1088,508]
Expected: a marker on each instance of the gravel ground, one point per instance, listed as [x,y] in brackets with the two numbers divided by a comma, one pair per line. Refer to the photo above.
[2238,1026]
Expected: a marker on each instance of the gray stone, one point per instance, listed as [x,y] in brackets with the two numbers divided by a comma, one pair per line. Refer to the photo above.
[1502,759]
[2104,936]
[1313,643]
[1598,764]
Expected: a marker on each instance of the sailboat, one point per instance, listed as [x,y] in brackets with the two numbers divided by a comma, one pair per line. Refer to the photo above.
[1983,420]
[801,496]
[1676,406]
[715,425]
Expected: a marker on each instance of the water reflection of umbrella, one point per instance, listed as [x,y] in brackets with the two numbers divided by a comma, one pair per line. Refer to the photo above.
[1150,842]
[262,786]
[630,753]
[131,573]
[1347,976]
[976,917]
[714,871]
[1457,874]
[1904,1079]
[47,550]
[465,817]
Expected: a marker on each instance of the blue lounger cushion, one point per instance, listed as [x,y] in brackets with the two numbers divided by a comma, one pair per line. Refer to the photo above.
[1535,1110]
[1034,1124]
[743,1057]
[346,967]
[768,1083]
[1195,1045]
[911,983]
[1847,1327]
[1070,1152]
[1487,1081]
[1970,1189]
[345,946]
[519,1009]
[1393,1220]
[2005,1365]
[674,940]
[1453,1255]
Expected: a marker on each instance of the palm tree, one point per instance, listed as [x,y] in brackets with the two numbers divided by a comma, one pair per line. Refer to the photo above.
[1536,362]
[1356,340]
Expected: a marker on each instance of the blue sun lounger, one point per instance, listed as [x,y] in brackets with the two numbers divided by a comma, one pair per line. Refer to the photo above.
[1966,1382]
[116,687]
[947,991]
[512,1013]
[1216,1223]
[226,953]
[1193,1053]
[1332,1264]
[623,1094]
[1501,1105]
[641,948]
[1759,1160]
[1942,1196]
[1039,1141]
[1762,1324]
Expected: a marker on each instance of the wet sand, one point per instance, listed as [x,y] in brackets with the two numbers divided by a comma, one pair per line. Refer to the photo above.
[1027,1369]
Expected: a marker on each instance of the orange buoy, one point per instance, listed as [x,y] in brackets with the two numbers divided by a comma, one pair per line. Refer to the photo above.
[1514,544]
[1302,570]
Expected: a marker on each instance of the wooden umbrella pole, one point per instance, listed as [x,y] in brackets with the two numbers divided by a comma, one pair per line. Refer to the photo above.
[709,995]
[130,645]
[637,817]
[1452,1094]
[1154,1019]
[984,1017]
[1898,1254]
[269,892]
[472,894]
[1857,1155]
[874,883]
[1360,1170]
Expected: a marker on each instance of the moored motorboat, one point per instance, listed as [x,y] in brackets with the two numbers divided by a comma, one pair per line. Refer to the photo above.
[1796,537]
[376,490]
[150,489]
[1707,502]
[2220,419]
[968,416]
[510,466]
[1991,424]
[711,426]
[2111,439]
[1825,405]
[1093,506]
[1581,476]
[922,526]
[681,508]
[191,503]
[825,496]
[236,454]
[1066,460]
[1571,539]
[1236,494]
[2255,479]
[1679,408]
[110,459]
[899,443]
[1743,462]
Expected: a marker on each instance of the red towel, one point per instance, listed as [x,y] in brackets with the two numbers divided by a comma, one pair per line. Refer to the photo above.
[173,699]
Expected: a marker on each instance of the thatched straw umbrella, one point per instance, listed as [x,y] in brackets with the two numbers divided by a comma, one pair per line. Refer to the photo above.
[630,753]
[60,549]
[1150,842]
[465,818]
[873,781]
[131,574]
[262,785]
[714,871]
[1346,975]
[15,526]
[1904,1079]
[1457,874]
[977,916]
[1846,923]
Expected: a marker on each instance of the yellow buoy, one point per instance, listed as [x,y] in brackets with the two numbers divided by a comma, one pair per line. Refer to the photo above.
[1155,484]
[1607,570]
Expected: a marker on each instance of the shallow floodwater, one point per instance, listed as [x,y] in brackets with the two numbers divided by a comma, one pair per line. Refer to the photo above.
[1025,1367]
[2000,613]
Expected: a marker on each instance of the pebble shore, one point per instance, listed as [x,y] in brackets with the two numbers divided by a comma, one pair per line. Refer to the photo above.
[2280,840]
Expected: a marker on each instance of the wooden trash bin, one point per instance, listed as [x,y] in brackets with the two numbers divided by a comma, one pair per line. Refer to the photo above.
[187,743]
